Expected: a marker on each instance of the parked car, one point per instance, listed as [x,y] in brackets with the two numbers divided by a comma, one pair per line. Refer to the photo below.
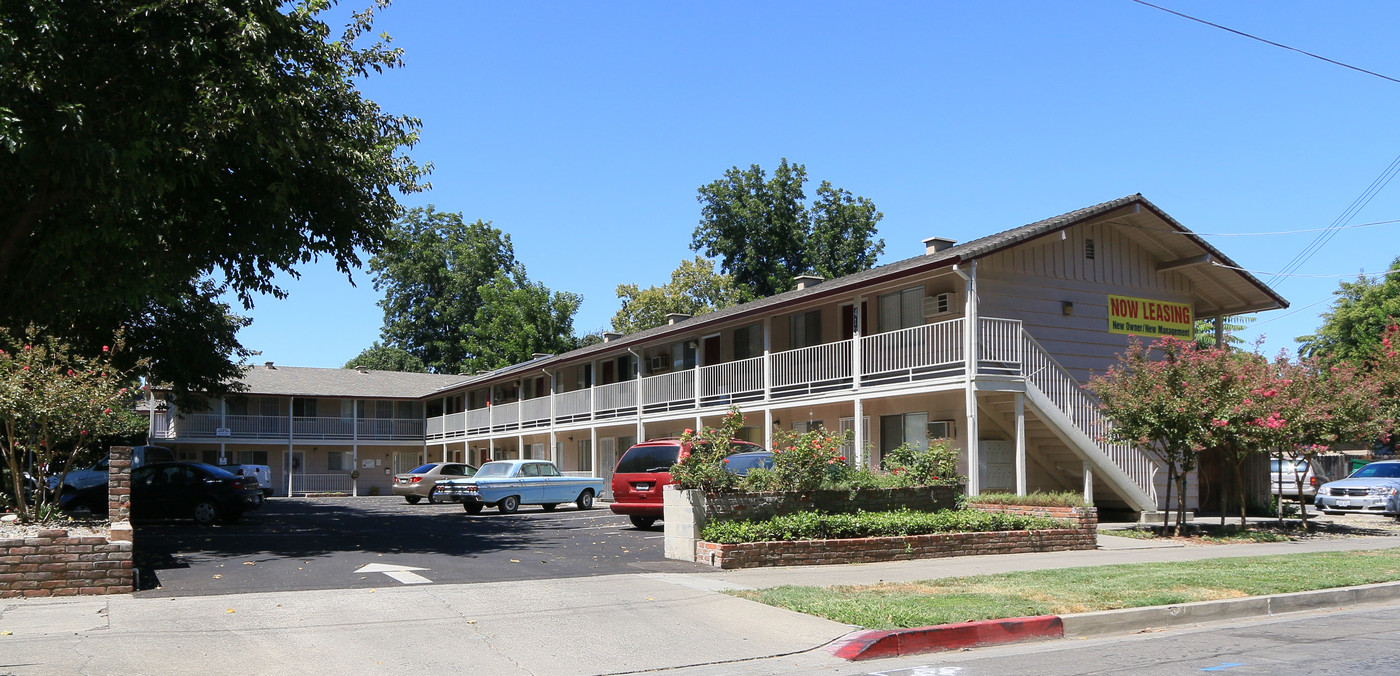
[1284,475]
[508,484]
[92,498]
[259,473]
[190,490]
[645,468]
[419,482]
[1373,489]
[740,463]
[97,473]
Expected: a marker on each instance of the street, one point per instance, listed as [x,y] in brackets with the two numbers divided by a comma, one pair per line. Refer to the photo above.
[332,543]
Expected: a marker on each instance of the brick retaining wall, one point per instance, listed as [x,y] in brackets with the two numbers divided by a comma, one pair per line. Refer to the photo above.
[1084,535]
[54,564]
[759,506]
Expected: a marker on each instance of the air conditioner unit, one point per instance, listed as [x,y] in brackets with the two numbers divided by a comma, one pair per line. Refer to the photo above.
[940,429]
[940,304]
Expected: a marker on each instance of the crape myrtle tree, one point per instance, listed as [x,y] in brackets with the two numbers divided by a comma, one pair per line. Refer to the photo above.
[55,403]
[155,156]
[1161,399]
[764,234]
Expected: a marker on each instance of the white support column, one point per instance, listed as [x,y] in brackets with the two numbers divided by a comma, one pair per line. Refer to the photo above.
[593,450]
[520,445]
[291,443]
[354,467]
[1220,331]
[223,424]
[768,428]
[970,350]
[553,454]
[859,440]
[1088,483]
[1021,480]
[768,366]
[490,448]
[855,345]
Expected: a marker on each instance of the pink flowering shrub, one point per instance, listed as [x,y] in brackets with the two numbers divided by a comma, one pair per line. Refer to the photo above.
[911,466]
[803,462]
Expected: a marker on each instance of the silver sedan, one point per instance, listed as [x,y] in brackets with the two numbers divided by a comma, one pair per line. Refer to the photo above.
[418,483]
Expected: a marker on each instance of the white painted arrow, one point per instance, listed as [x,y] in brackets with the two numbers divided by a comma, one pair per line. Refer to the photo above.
[400,573]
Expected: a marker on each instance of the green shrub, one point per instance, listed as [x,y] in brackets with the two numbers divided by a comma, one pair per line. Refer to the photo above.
[703,467]
[819,526]
[1037,499]
[931,466]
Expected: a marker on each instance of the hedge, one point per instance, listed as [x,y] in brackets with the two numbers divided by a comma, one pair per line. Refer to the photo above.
[823,526]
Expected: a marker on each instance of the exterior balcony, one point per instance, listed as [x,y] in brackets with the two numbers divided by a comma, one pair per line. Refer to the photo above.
[191,426]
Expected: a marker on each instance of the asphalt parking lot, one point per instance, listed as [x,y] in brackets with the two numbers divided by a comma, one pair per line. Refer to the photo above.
[333,543]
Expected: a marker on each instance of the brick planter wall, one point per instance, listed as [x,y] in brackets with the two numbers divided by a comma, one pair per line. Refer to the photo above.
[758,506]
[52,563]
[1083,535]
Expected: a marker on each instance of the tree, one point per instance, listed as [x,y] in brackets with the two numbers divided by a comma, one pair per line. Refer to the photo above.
[763,233]
[694,289]
[518,319]
[1351,330]
[384,358]
[161,153]
[1163,405]
[1205,330]
[432,271]
[54,404]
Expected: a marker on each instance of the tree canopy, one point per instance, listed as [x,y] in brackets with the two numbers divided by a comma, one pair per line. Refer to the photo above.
[157,155]
[384,358]
[1352,328]
[695,288]
[764,234]
[456,298]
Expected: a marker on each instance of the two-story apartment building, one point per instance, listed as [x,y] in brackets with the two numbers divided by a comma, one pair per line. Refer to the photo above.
[986,342]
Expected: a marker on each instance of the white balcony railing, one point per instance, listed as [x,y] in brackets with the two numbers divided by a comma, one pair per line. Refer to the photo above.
[320,483]
[616,399]
[668,392]
[323,428]
[505,416]
[913,354]
[734,382]
[573,406]
[534,412]
[478,419]
[808,370]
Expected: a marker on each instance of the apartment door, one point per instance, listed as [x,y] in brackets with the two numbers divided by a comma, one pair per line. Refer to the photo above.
[710,350]
[607,460]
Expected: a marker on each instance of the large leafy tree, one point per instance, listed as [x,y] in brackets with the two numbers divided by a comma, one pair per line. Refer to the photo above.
[156,155]
[384,358]
[695,288]
[432,273]
[517,319]
[1352,328]
[763,232]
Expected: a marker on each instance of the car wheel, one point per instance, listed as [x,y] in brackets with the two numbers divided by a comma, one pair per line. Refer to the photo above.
[643,522]
[205,512]
[509,504]
[472,507]
[432,498]
[549,507]
[412,499]
[585,499]
[258,500]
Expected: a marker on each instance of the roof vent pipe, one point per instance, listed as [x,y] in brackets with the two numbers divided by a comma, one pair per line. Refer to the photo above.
[934,245]
[807,281]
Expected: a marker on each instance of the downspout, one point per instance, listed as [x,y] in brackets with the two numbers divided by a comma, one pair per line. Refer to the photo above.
[641,429]
[553,436]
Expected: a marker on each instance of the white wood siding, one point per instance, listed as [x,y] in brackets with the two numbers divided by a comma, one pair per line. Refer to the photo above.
[1030,282]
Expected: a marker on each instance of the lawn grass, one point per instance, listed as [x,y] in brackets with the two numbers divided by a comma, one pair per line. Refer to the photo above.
[1077,590]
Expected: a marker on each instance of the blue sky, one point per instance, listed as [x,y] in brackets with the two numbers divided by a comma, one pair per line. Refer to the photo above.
[584,130]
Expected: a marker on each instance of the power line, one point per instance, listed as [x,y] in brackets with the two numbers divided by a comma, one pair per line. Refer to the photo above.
[1291,274]
[1268,42]
[1347,214]
[1254,234]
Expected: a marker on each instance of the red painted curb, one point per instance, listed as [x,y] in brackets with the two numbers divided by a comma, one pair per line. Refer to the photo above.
[872,644]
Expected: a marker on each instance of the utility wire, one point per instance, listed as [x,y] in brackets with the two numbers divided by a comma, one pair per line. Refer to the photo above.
[1190,233]
[1347,214]
[1291,274]
[1267,42]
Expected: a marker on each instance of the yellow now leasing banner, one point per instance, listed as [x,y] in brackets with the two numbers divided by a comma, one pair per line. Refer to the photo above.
[1146,317]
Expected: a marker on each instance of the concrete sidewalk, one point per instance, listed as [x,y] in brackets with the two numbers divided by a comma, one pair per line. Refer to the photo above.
[596,625]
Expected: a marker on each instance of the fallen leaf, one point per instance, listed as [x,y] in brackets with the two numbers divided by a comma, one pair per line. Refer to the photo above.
[217,577]
[515,560]
[249,563]
[6,633]
[229,610]
[471,621]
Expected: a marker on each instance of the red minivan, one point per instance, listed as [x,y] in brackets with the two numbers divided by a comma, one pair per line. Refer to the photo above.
[643,470]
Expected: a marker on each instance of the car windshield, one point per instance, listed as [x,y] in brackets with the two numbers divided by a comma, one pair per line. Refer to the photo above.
[424,469]
[494,469]
[646,459]
[1378,470]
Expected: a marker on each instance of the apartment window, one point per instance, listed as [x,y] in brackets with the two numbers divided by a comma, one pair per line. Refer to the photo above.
[585,376]
[903,428]
[585,455]
[805,329]
[238,406]
[304,408]
[251,457]
[683,355]
[902,309]
[626,368]
[748,342]
[408,410]
[271,407]
[336,461]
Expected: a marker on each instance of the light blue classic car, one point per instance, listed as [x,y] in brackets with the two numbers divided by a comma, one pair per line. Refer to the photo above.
[508,484]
